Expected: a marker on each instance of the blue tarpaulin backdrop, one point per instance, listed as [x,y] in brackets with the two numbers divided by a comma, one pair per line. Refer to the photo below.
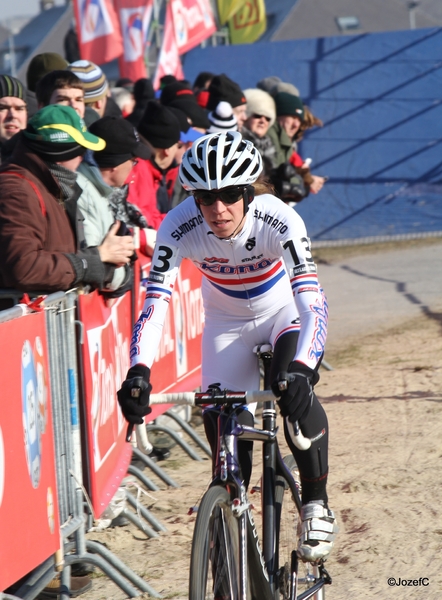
[380,98]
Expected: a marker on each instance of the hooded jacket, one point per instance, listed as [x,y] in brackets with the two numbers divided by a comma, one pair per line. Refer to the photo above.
[42,245]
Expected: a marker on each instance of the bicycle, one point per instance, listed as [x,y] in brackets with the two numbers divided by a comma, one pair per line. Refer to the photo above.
[228,561]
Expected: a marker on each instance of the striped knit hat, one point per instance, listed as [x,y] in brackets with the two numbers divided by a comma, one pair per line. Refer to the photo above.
[222,119]
[93,79]
[10,86]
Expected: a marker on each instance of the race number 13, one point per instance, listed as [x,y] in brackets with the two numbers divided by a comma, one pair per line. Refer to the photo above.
[306,255]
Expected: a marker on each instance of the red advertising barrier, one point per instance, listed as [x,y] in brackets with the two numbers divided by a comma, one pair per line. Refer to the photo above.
[105,358]
[177,366]
[29,524]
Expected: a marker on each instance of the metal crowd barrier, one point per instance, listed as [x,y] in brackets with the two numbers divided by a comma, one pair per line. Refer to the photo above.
[64,359]
[63,387]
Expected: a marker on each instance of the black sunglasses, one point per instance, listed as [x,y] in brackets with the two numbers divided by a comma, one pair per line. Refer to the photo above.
[227,196]
[255,116]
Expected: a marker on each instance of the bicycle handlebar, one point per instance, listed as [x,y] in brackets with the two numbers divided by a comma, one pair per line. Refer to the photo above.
[223,397]
[226,397]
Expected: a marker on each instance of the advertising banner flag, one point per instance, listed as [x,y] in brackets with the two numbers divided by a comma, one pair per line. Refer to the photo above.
[98,30]
[135,18]
[169,62]
[249,23]
[193,22]
[227,8]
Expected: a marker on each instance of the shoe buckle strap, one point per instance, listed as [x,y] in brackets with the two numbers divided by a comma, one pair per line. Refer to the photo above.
[321,536]
[320,525]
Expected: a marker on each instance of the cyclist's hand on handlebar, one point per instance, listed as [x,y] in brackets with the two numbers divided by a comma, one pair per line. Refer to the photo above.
[294,388]
[134,394]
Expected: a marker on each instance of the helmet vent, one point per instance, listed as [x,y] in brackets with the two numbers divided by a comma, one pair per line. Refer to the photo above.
[242,168]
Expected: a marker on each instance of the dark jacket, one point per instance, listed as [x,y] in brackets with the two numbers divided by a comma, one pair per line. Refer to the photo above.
[42,245]
[284,146]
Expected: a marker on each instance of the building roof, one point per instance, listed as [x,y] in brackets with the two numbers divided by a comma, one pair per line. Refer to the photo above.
[318,18]
[43,33]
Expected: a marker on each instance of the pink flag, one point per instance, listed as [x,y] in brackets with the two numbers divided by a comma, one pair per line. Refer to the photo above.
[135,17]
[98,30]
[169,62]
[193,22]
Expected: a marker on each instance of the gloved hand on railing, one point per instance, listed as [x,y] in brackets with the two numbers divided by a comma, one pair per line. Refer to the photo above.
[294,388]
[134,394]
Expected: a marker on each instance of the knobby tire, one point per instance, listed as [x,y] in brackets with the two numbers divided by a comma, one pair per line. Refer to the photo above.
[214,564]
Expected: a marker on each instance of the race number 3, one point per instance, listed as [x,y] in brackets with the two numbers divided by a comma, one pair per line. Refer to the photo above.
[164,255]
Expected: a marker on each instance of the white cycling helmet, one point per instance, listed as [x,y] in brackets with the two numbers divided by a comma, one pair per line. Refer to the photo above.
[220,160]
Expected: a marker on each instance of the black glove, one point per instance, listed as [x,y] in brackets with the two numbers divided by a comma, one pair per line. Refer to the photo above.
[295,401]
[135,407]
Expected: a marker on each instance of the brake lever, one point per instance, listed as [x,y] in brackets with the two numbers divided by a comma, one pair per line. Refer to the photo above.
[135,392]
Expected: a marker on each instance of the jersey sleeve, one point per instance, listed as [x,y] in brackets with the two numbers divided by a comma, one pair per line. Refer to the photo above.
[148,329]
[308,295]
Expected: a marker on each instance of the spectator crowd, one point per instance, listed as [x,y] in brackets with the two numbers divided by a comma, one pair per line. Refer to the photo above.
[88,171]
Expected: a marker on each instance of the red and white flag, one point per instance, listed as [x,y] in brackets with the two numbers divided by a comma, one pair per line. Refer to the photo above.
[193,22]
[98,30]
[135,17]
[169,62]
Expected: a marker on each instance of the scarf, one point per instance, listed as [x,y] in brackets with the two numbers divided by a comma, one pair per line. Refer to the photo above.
[65,178]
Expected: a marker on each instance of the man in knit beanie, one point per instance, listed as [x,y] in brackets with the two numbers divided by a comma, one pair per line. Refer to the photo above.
[39,66]
[42,248]
[95,85]
[13,112]
[154,179]
[222,119]
[42,64]
[104,197]
[143,92]
[179,95]
[222,88]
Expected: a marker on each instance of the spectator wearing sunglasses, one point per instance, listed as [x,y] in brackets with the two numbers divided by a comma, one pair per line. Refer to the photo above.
[261,114]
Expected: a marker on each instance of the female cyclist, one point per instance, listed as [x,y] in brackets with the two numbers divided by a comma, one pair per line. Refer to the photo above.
[260,285]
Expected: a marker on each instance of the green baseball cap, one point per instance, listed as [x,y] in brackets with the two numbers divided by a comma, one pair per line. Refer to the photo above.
[61,125]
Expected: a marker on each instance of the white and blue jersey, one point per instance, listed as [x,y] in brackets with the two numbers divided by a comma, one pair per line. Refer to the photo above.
[259,284]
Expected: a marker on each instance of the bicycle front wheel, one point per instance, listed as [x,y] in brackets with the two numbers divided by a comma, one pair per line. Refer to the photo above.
[214,564]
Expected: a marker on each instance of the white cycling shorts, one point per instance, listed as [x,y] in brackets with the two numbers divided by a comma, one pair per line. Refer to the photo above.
[227,348]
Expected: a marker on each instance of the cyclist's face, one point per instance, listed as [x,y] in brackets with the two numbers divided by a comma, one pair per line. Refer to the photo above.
[224,219]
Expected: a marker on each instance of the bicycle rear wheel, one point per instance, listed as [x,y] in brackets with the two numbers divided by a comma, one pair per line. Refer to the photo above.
[214,564]
[287,522]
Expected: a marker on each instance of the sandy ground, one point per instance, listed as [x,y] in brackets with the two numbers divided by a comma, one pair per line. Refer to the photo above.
[384,403]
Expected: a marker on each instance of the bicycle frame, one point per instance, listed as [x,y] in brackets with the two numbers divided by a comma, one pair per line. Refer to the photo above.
[227,474]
